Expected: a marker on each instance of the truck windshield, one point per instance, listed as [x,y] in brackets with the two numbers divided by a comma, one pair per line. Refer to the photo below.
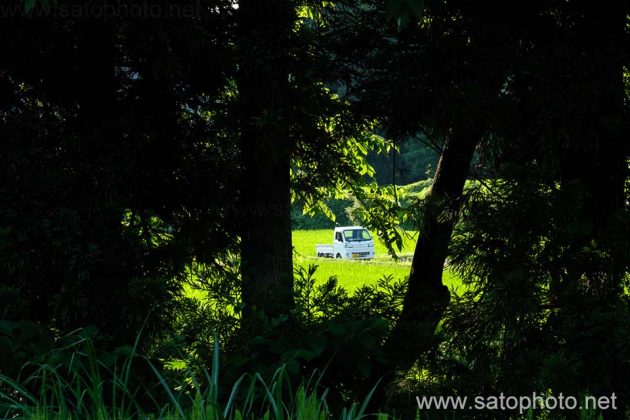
[356,235]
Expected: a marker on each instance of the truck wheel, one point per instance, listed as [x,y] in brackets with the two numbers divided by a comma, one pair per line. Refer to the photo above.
[338,256]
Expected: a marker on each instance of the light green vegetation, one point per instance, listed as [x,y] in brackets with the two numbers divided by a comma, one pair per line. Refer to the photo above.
[351,274]
[354,274]
[304,242]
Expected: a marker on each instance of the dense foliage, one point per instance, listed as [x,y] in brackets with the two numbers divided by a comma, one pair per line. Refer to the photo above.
[152,156]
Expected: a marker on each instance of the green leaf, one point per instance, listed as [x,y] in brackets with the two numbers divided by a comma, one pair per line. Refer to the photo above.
[292,367]
[317,343]
[337,329]
[402,10]
[394,8]
[364,366]
[29,4]
[6,328]
[305,354]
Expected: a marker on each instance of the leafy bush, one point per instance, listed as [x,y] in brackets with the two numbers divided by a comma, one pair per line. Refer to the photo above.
[542,305]
[21,342]
[330,330]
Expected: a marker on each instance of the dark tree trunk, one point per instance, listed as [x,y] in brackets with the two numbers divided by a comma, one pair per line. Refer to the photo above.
[596,155]
[96,94]
[96,82]
[594,158]
[427,297]
[264,209]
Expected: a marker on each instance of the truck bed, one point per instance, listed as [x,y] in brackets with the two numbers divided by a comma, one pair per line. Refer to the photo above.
[323,250]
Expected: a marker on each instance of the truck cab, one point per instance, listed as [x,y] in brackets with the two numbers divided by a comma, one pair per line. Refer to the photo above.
[349,243]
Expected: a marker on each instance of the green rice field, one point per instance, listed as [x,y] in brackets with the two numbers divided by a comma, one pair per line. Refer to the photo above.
[351,274]
[354,274]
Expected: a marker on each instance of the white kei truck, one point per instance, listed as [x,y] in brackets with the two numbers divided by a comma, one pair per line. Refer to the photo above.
[349,243]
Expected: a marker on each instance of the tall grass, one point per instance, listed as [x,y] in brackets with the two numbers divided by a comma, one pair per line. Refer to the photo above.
[88,389]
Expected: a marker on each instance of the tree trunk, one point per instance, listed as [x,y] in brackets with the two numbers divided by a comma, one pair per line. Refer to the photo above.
[427,297]
[264,209]
[596,157]
[588,291]
[96,85]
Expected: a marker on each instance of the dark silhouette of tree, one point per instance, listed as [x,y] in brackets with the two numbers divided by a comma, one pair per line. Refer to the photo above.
[265,32]
[109,175]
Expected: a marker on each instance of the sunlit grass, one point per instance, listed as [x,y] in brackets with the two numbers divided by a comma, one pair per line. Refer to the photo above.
[304,242]
[354,274]
[351,274]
